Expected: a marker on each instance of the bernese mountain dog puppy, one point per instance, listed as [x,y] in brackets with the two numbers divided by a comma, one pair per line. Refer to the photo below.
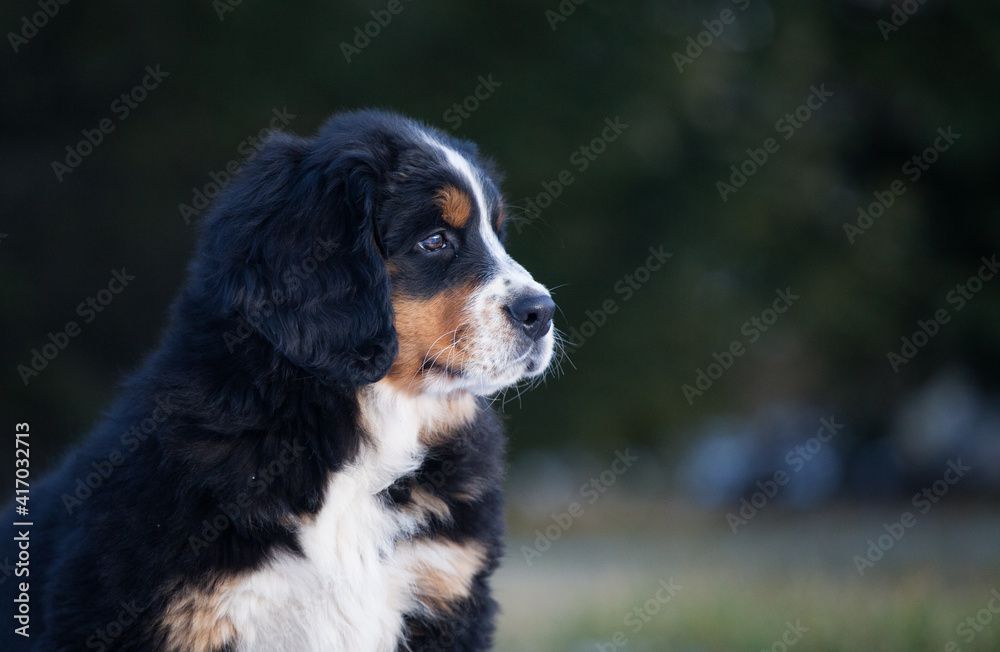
[309,460]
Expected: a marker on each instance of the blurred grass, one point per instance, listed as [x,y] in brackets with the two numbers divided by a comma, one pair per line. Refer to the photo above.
[739,591]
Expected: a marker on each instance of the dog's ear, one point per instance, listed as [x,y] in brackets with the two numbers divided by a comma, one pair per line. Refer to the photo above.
[293,251]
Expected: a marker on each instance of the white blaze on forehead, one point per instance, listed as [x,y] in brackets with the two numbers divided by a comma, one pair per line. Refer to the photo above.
[462,166]
[496,362]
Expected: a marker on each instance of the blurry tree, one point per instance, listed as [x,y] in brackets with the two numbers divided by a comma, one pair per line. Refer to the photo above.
[230,66]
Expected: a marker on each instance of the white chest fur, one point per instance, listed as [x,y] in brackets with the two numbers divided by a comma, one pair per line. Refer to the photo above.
[354,583]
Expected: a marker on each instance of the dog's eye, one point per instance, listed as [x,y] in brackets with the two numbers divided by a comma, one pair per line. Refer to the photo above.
[434,243]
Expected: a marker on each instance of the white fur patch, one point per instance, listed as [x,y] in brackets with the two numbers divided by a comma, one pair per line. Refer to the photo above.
[350,591]
[463,168]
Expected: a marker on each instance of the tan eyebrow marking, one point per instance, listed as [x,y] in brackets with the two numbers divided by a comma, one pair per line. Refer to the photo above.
[456,206]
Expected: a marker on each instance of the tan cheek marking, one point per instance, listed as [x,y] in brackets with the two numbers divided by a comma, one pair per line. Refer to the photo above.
[194,621]
[456,206]
[443,572]
[501,218]
[429,330]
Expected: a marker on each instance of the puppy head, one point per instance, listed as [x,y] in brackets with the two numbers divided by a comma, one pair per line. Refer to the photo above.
[409,278]
[467,315]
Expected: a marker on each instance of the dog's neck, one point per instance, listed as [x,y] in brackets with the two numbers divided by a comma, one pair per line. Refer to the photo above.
[426,418]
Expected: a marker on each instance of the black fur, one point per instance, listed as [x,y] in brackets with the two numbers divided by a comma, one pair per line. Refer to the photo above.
[261,361]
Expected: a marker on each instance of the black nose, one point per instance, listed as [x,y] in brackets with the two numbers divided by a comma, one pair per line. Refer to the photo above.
[534,314]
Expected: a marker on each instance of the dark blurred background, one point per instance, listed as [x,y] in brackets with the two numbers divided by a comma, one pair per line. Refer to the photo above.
[660,114]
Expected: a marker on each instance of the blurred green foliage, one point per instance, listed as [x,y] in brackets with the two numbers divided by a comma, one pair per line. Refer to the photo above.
[654,185]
